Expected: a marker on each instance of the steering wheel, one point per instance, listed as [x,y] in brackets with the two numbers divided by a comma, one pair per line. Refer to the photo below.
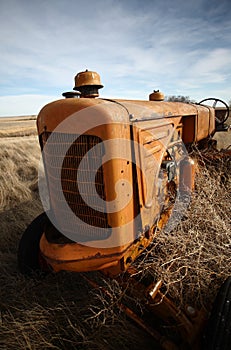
[222,115]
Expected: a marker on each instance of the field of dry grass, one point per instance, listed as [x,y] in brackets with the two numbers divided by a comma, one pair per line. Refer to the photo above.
[16,126]
[61,311]
[58,311]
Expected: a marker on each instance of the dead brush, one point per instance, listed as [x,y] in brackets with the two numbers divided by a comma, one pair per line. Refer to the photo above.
[19,159]
[194,259]
[60,312]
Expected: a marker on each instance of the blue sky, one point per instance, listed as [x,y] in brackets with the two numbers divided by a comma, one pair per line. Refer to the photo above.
[180,47]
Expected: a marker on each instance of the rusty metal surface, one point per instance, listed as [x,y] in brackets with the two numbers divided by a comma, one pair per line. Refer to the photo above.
[154,134]
[127,111]
[157,129]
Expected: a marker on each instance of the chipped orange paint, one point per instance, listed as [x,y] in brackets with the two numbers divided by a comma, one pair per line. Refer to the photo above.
[152,124]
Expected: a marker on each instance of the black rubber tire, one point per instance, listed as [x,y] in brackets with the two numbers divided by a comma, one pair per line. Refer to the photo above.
[218,330]
[29,260]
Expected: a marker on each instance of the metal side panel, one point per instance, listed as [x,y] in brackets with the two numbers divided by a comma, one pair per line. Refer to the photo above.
[151,142]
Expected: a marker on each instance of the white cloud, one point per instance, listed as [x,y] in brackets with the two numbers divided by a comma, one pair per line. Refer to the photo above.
[216,62]
[135,47]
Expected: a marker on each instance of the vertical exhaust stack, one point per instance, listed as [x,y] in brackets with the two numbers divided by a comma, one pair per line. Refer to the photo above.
[88,83]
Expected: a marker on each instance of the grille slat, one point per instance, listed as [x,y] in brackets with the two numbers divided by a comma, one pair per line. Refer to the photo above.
[53,155]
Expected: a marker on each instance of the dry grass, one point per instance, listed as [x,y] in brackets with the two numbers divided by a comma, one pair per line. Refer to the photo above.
[18,170]
[62,311]
[58,311]
[195,258]
[16,127]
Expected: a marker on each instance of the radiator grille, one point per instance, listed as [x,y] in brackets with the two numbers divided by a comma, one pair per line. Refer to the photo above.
[76,150]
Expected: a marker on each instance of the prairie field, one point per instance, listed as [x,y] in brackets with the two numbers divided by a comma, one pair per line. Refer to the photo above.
[61,311]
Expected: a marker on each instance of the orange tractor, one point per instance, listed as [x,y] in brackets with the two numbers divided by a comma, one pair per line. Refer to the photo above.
[117,172]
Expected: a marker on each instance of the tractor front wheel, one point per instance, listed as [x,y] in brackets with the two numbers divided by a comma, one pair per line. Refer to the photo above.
[30,260]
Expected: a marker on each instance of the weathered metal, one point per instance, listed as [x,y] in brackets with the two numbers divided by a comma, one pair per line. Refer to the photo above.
[139,147]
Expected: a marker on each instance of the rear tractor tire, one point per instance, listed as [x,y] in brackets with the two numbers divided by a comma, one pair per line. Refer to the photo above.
[218,331]
[30,260]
